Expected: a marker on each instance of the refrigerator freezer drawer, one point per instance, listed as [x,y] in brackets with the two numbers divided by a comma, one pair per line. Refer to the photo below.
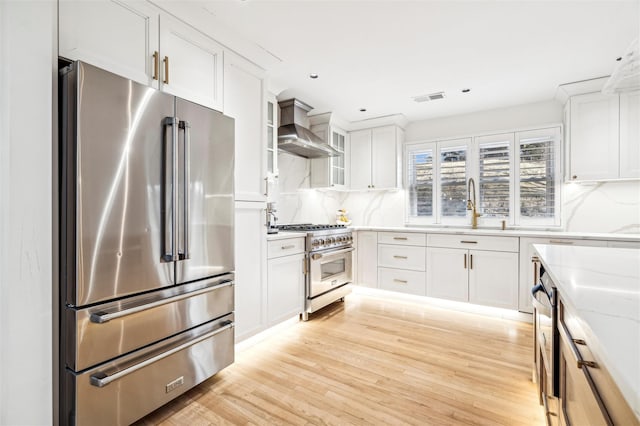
[106,331]
[122,391]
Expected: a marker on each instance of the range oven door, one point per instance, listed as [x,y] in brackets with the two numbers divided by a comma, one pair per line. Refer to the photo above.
[329,270]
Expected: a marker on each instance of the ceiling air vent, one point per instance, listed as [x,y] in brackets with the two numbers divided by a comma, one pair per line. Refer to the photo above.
[429,97]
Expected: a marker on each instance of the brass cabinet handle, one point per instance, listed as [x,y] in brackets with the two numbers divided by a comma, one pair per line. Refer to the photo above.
[400,281]
[400,238]
[560,242]
[470,261]
[287,247]
[166,70]
[399,257]
[156,64]
[465,261]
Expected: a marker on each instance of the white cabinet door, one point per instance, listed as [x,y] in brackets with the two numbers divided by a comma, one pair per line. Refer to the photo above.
[360,168]
[447,275]
[384,154]
[594,137]
[250,260]
[244,102]
[367,264]
[630,134]
[191,64]
[285,287]
[493,278]
[117,36]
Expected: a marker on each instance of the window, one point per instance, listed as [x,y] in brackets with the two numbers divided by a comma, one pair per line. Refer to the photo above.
[517,179]
[494,175]
[539,174]
[452,171]
[419,181]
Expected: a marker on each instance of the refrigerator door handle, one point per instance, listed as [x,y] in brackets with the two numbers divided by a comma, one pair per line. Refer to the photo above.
[101,379]
[170,248]
[186,179]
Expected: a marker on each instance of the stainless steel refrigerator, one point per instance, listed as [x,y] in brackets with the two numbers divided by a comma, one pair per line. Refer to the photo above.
[146,247]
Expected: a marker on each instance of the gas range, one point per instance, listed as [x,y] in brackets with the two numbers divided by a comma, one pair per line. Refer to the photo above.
[322,237]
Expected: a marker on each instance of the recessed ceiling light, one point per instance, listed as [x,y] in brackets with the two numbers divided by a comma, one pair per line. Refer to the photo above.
[363,110]
[466,90]
[313,75]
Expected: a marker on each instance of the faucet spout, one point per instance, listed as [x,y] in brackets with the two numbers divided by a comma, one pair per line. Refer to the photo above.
[471,204]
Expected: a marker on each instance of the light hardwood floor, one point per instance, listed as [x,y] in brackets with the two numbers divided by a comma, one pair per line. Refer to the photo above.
[372,361]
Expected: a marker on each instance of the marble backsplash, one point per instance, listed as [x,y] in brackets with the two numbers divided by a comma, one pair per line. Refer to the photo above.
[610,207]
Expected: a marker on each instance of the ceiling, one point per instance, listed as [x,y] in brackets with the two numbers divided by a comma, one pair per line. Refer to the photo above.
[378,55]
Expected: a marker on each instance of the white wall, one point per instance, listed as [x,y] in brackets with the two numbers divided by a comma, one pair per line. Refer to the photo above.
[518,116]
[27,31]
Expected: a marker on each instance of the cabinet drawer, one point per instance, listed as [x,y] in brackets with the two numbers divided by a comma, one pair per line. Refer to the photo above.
[285,247]
[412,282]
[475,242]
[402,238]
[402,257]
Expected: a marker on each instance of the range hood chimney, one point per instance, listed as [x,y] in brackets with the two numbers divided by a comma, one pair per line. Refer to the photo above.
[293,135]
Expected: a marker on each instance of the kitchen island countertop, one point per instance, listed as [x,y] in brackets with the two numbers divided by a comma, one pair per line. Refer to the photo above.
[602,287]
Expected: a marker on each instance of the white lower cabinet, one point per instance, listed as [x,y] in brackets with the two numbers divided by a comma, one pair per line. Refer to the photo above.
[367,260]
[404,281]
[493,278]
[285,287]
[447,276]
[484,277]
[250,260]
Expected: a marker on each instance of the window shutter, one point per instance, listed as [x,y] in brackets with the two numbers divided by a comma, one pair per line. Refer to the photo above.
[494,177]
[453,181]
[537,177]
[420,181]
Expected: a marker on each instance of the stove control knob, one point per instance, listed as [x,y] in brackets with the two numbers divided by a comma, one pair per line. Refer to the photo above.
[320,241]
[330,240]
[315,243]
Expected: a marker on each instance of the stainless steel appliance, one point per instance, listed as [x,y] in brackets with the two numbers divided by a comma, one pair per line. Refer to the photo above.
[147,263]
[329,252]
[546,340]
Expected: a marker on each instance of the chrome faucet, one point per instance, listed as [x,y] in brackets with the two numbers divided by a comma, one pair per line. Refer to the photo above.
[471,205]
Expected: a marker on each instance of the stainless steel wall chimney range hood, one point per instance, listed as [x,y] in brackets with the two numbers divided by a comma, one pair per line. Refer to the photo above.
[293,135]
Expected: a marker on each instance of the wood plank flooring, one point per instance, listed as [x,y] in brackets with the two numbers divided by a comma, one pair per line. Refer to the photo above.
[372,361]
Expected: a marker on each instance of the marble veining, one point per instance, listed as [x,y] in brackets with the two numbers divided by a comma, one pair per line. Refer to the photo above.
[602,287]
[612,207]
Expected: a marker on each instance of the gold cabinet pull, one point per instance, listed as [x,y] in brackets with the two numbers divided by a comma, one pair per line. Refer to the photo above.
[156,64]
[465,261]
[166,70]
[470,261]
[287,247]
[399,257]
[400,281]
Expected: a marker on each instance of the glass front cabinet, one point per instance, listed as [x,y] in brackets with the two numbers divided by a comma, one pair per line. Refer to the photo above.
[330,172]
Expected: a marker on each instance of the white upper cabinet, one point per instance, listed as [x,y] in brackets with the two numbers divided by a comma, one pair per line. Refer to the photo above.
[603,135]
[332,171]
[117,36]
[138,41]
[375,158]
[630,134]
[191,64]
[245,102]
[594,137]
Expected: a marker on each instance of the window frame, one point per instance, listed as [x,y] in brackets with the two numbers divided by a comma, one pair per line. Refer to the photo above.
[555,133]
[408,148]
[515,219]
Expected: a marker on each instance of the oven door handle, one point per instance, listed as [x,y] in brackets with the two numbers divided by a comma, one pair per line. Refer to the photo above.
[539,306]
[316,256]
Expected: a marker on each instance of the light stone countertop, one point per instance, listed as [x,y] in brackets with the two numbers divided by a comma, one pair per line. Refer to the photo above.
[505,233]
[602,287]
[284,235]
